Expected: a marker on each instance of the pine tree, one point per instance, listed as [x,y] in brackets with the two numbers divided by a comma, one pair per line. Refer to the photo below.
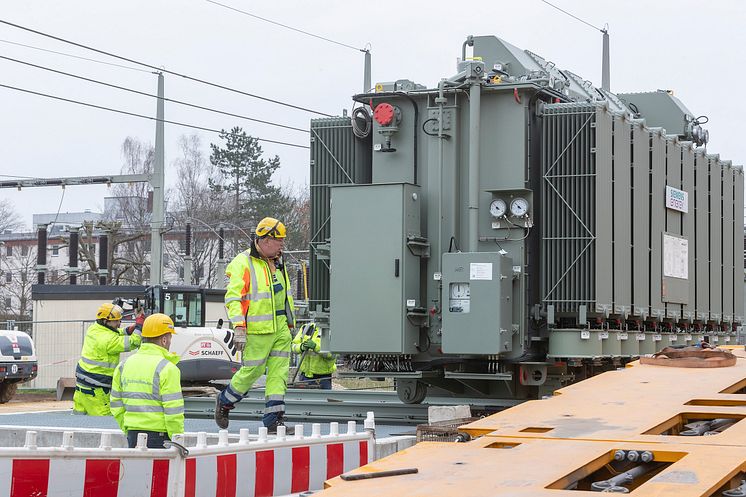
[248,178]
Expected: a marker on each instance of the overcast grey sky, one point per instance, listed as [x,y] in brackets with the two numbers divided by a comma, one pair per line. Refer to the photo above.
[693,47]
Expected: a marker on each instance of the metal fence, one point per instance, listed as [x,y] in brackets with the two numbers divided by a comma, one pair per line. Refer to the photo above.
[58,345]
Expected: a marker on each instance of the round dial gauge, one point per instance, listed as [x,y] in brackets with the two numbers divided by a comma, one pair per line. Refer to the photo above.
[498,208]
[519,207]
[459,290]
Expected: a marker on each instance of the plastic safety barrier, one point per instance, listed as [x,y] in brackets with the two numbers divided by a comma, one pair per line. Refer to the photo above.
[71,471]
[259,467]
[278,467]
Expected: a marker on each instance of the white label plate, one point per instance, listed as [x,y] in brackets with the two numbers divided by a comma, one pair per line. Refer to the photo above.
[480,271]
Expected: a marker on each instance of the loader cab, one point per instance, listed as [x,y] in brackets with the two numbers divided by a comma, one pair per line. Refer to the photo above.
[185,304]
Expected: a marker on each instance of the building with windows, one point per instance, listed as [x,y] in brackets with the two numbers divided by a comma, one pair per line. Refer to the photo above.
[128,253]
[128,256]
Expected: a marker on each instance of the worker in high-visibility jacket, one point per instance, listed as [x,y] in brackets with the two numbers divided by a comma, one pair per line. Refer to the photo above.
[260,307]
[103,343]
[146,390]
[316,367]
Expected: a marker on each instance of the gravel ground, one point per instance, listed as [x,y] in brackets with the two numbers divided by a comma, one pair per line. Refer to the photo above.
[33,402]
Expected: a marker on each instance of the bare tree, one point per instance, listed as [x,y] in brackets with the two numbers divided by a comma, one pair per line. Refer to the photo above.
[126,222]
[297,216]
[9,218]
[196,203]
[22,270]
[192,196]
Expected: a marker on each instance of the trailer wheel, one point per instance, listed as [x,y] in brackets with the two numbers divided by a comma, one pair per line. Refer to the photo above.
[411,391]
[7,391]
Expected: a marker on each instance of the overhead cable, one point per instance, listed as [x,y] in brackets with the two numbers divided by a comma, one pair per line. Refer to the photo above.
[159,69]
[603,30]
[74,56]
[286,26]
[16,176]
[123,88]
[142,116]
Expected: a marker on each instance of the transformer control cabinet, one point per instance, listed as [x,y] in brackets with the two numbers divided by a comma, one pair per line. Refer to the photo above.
[477,293]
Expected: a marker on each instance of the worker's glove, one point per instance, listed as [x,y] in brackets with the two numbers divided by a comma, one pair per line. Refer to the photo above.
[137,327]
[239,338]
[308,345]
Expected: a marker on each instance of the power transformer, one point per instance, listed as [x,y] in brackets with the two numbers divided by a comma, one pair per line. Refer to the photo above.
[514,228]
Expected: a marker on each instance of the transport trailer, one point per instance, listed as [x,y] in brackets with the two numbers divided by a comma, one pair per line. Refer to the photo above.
[647,430]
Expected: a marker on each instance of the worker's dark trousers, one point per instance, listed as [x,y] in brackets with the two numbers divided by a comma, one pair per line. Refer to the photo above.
[155,438]
[322,381]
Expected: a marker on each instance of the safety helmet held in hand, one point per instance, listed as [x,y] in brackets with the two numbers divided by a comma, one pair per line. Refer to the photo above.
[109,312]
[270,226]
[156,325]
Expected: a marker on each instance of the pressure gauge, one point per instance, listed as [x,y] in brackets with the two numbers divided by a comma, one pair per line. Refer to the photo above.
[459,290]
[498,208]
[519,207]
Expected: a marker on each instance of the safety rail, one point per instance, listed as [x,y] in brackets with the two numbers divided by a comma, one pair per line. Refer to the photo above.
[260,466]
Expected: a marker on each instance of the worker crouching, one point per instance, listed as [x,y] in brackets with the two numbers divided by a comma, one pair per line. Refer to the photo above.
[315,367]
[103,343]
[146,389]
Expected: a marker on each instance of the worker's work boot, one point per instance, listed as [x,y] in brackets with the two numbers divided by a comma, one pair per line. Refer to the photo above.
[221,413]
[272,429]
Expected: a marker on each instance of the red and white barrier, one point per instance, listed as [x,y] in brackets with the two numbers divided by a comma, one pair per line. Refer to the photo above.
[275,467]
[68,471]
[260,468]
[60,476]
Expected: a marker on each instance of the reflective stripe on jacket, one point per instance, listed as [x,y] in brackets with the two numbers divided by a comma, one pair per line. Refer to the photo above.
[251,297]
[146,392]
[315,363]
[100,354]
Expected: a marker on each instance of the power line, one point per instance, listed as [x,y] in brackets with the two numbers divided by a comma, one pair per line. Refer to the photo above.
[286,26]
[142,116]
[59,207]
[173,73]
[574,16]
[16,176]
[151,95]
[75,56]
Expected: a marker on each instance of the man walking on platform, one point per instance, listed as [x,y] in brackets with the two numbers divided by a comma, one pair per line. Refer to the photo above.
[260,308]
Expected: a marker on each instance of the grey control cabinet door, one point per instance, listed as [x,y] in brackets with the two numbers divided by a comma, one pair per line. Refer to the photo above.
[374,277]
[476,296]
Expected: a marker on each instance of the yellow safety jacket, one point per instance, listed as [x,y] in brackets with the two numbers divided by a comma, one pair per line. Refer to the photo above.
[253,293]
[146,392]
[100,354]
[314,363]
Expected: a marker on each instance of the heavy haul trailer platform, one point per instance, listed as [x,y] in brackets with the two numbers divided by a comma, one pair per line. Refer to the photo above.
[564,444]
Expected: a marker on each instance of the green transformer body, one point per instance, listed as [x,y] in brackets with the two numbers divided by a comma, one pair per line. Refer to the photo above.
[512,228]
